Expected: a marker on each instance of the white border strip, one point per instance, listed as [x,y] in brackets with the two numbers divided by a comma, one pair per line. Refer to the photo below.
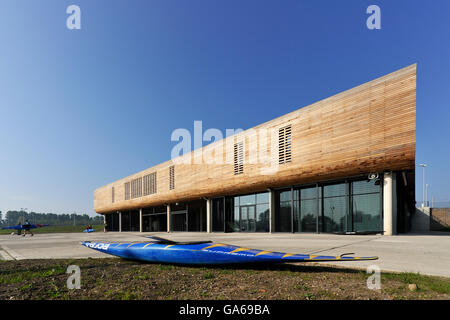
[12,253]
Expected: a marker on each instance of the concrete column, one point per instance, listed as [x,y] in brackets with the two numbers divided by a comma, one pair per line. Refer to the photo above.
[140,220]
[271,210]
[389,204]
[120,221]
[208,215]
[169,224]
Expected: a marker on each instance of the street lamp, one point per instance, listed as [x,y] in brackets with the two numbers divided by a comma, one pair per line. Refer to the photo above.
[423,183]
[426,194]
[23,216]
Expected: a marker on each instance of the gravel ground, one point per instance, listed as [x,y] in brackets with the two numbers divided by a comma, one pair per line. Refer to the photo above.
[113,278]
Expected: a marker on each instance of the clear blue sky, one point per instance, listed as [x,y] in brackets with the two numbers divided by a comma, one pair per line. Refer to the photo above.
[82,108]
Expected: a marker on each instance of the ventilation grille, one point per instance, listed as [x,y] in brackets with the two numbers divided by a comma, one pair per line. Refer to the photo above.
[150,184]
[127,191]
[284,145]
[238,158]
[112,194]
[136,188]
[172,177]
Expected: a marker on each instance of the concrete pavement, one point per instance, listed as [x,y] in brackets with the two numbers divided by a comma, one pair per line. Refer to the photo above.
[422,253]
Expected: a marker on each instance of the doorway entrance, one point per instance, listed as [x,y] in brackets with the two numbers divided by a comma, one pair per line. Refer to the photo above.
[179,220]
[247,218]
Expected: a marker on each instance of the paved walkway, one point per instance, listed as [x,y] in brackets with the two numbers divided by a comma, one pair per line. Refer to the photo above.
[426,254]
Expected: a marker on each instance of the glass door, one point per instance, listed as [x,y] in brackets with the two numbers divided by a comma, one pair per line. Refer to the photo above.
[179,221]
[366,206]
[335,208]
[251,218]
[248,218]
[155,222]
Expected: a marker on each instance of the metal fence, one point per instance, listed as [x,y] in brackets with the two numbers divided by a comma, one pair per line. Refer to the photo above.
[434,204]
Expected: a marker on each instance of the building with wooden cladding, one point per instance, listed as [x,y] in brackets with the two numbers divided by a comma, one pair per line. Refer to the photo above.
[345,164]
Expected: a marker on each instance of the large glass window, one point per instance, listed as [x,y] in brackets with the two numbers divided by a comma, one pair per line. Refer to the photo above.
[262,217]
[115,222]
[308,207]
[154,223]
[335,207]
[300,206]
[247,218]
[235,223]
[188,216]
[248,213]
[247,200]
[218,214]
[154,219]
[283,215]
[179,221]
[354,205]
[366,206]
[134,220]
[178,216]
[126,221]
[197,215]
[112,221]
[109,222]
[230,224]
[262,197]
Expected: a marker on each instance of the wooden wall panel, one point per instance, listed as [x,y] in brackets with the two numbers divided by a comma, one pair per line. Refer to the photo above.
[370,128]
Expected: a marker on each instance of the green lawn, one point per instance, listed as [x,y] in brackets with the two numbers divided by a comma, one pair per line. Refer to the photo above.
[57,229]
[113,278]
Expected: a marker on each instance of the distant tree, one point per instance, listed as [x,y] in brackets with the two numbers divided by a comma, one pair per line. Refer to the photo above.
[17,217]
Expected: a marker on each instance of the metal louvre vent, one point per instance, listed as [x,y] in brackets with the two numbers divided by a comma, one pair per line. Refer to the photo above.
[136,188]
[150,184]
[127,191]
[238,158]
[284,145]
[112,194]
[172,177]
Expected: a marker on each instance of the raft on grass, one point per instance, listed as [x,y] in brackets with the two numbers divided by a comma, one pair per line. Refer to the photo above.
[161,250]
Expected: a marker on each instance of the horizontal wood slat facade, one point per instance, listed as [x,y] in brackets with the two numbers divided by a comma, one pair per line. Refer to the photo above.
[370,128]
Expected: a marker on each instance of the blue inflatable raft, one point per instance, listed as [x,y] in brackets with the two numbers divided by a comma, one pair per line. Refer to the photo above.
[205,252]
